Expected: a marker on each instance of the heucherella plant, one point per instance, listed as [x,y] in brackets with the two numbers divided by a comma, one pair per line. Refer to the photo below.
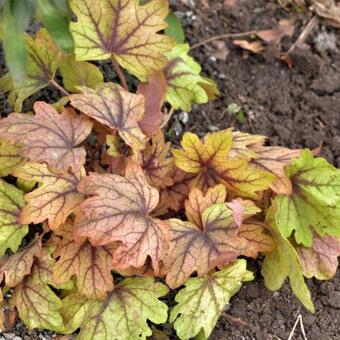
[101,217]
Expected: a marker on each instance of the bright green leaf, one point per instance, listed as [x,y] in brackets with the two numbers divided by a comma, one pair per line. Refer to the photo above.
[282,263]
[79,73]
[185,84]
[203,299]
[56,20]
[314,202]
[44,58]
[11,232]
[175,28]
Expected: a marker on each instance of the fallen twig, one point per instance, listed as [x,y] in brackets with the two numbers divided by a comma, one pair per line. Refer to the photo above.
[298,320]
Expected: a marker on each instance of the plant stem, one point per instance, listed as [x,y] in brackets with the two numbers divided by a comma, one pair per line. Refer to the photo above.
[223,36]
[119,72]
[59,87]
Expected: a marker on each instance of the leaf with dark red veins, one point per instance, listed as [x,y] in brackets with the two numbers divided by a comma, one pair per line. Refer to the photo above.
[173,197]
[44,58]
[242,145]
[10,157]
[49,136]
[259,241]
[118,209]
[208,160]
[197,203]
[11,231]
[111,105]
[199,250]
[314,204]
[156,163]
[154,94]
[321,260]
[14,267]
[123,315]
[274,159]
[55,199]
[38,306]
[91,265]
[185,84]
[123,29]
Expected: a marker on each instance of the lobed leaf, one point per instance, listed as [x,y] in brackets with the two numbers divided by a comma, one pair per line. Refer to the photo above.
[274,159]
[185,84]
[156,164]
[321,260]
[122,315]
[282,263]
[200,248]
[154,95]
[208,160]
[118,209]
[201,302]
[79,73]
[122,29]
[11,231]
[10,157]
[111,105]
[44,58]
[14,268]
[91,265]
[38,306]
[49,136]
[315,200]
[55,199]
[259,241]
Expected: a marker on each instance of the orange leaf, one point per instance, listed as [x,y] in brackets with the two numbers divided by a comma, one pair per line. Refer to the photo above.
[114,107]
[258,240]
[49,136]
[91,265]
[155,162]
[195,249]
[55,199]
[284,28]
[197,203]
[118,209]
[254,46]
[274,159]
[15,267]
[154,94]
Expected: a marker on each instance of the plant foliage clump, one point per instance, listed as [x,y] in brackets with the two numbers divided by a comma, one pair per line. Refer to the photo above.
[100,217]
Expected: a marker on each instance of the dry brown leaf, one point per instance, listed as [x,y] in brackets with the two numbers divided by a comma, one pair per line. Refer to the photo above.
[272,36]
[328,9]
[254,46]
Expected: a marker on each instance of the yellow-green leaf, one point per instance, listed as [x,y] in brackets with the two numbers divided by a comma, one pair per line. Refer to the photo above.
[315,200]
[79,73]
[38,306]
[10,157]
[122,315]
[203,299]
[185,84]
[284,263]
[123,29]
[11,231]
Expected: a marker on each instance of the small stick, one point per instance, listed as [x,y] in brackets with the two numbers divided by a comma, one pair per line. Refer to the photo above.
[223,36]
[59,87]
[167,117]
[298,319]
[304,34]
[119,72]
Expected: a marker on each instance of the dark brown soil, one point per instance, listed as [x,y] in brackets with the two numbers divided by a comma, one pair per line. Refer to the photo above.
[298,107]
